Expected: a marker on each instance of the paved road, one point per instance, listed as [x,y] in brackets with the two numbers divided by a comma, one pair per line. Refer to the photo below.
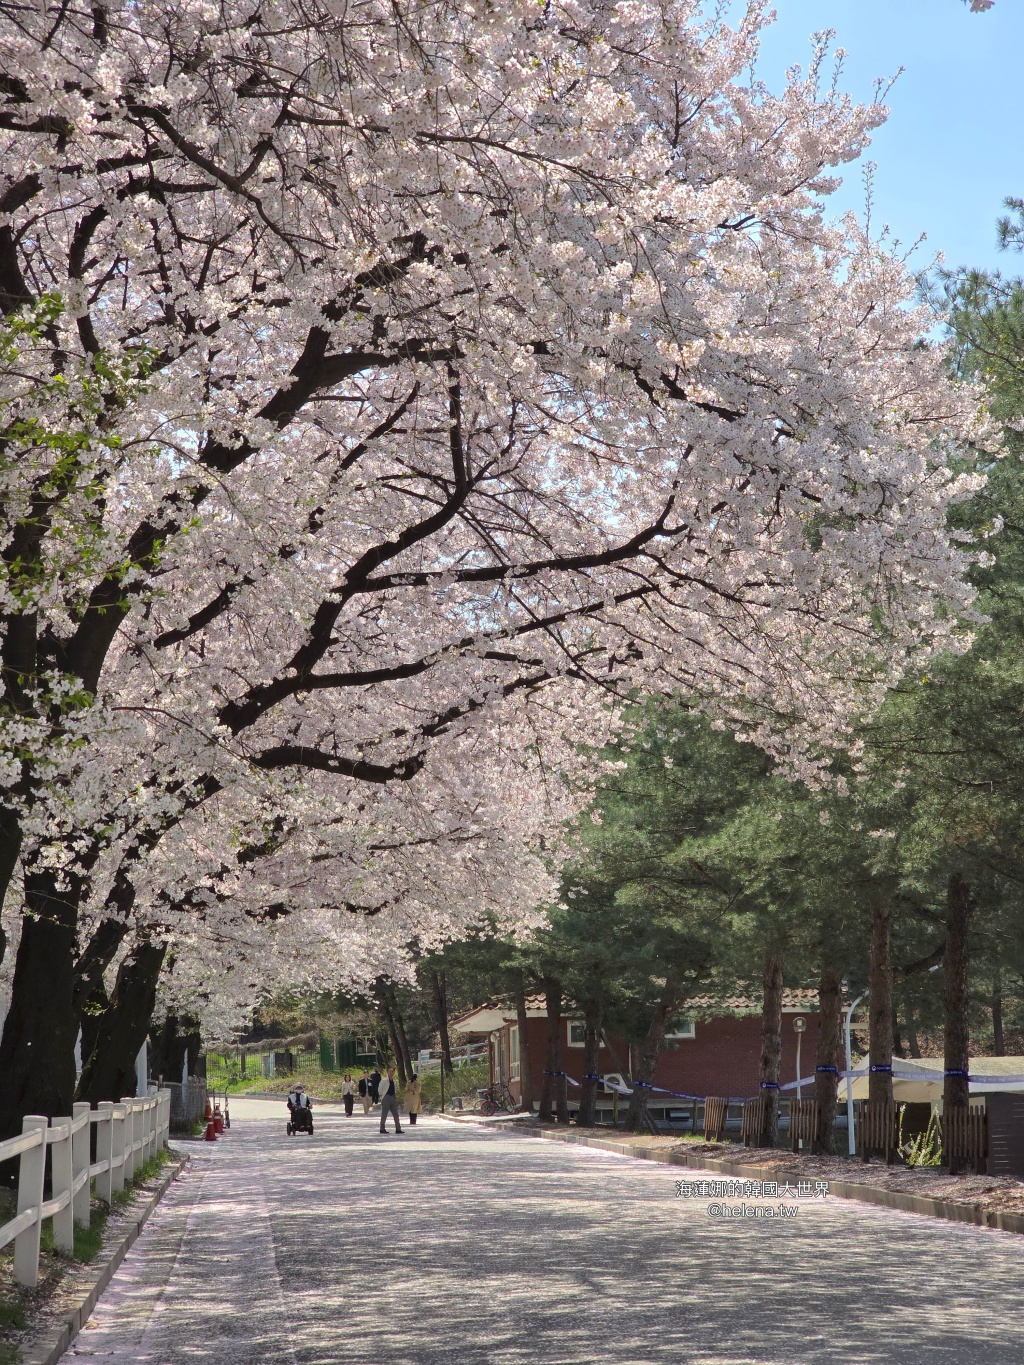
[452,1244]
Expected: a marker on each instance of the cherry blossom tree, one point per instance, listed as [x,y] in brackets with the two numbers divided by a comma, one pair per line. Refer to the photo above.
[450,372]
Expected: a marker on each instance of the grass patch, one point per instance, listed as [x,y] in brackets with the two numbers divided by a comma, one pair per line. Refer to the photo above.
[12,1319]
[12,1315]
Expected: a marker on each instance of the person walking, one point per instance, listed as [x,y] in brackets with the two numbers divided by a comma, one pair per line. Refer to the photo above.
[364,1091]
[389,1100]
[348,1094]
[413,1098]
[374,1083]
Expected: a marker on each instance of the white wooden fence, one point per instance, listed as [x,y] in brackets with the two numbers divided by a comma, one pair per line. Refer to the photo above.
[127,1135]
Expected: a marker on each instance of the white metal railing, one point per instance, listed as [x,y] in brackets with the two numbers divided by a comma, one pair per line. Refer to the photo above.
[127,1135]
[461,1056]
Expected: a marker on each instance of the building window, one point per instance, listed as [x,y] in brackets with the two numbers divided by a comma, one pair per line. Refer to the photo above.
[513,1052]
[575,1031]
[680,1027]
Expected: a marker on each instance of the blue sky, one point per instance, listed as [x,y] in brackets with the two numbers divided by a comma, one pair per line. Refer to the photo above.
[953,147]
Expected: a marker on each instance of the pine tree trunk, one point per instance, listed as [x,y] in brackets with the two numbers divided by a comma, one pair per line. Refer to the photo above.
[829,1052]
[383,997]
[439,991]
[109,1071]
[587,1114]
[668,1004]
[913,1044]
[403,1041]
[898,1050]
[37,1051]
[959,905]
[998,1038]
[771,1047]
[525,1072]
[880,1000]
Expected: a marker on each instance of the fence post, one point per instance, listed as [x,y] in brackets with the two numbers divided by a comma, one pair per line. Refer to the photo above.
[62,1177]
[118,1127]
[81,1143]
[105,1150]
[129,1138]
[31,1170]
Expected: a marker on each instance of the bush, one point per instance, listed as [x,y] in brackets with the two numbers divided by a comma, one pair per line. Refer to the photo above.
[467,1080]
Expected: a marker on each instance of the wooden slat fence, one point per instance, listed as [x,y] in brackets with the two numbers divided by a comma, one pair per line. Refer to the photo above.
[877,1129]
[964,1138]
[804,1120]
[127,1135]
[752,1123]
[714,1118]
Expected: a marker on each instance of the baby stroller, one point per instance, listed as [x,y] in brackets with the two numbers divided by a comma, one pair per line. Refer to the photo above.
[300,1111]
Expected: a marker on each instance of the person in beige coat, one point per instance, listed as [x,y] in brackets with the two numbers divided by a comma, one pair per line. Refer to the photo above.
[413,1098]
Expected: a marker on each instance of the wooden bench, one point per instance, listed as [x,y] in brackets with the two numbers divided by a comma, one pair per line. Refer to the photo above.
[964,1139]
[804,1122]
[752,1124]
[714,1118]
[878,1129]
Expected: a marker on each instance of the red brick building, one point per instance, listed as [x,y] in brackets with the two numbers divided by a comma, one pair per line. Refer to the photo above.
[713,1047]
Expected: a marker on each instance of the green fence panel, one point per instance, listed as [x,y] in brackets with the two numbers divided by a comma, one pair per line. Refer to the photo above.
[346,1051]
[326,1055]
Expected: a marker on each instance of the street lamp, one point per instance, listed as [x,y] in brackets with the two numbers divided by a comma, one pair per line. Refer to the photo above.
[799,1024]
[851,1138]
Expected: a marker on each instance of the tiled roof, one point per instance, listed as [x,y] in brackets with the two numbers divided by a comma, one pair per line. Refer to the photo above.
[486,1016]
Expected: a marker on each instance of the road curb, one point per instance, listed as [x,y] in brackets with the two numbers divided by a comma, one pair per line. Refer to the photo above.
[923,1204]
[48,1350]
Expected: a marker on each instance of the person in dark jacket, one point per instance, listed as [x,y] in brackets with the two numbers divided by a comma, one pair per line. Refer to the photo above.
[389,1100]
[364,1092]
[375,1086]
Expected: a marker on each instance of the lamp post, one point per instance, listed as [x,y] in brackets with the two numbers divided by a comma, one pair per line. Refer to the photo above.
[851,1138]
[799,1024]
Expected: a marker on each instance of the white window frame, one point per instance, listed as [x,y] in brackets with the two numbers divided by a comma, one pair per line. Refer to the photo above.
[688,1029]
[571,1024]
[513,1053]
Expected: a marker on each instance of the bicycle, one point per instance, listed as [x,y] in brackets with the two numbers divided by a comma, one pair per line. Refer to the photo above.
[497,1099]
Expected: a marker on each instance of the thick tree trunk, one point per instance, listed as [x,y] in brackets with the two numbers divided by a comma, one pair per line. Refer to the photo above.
[829,1052]
[439,992]
[10,850]
[880,1000]
[94,960]
[643,1078]
[957,1035]
[525,1070]
[998,1038]
[587,1115]
[109,1072]
[37,1051]
[169,1048]
[771,1047]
